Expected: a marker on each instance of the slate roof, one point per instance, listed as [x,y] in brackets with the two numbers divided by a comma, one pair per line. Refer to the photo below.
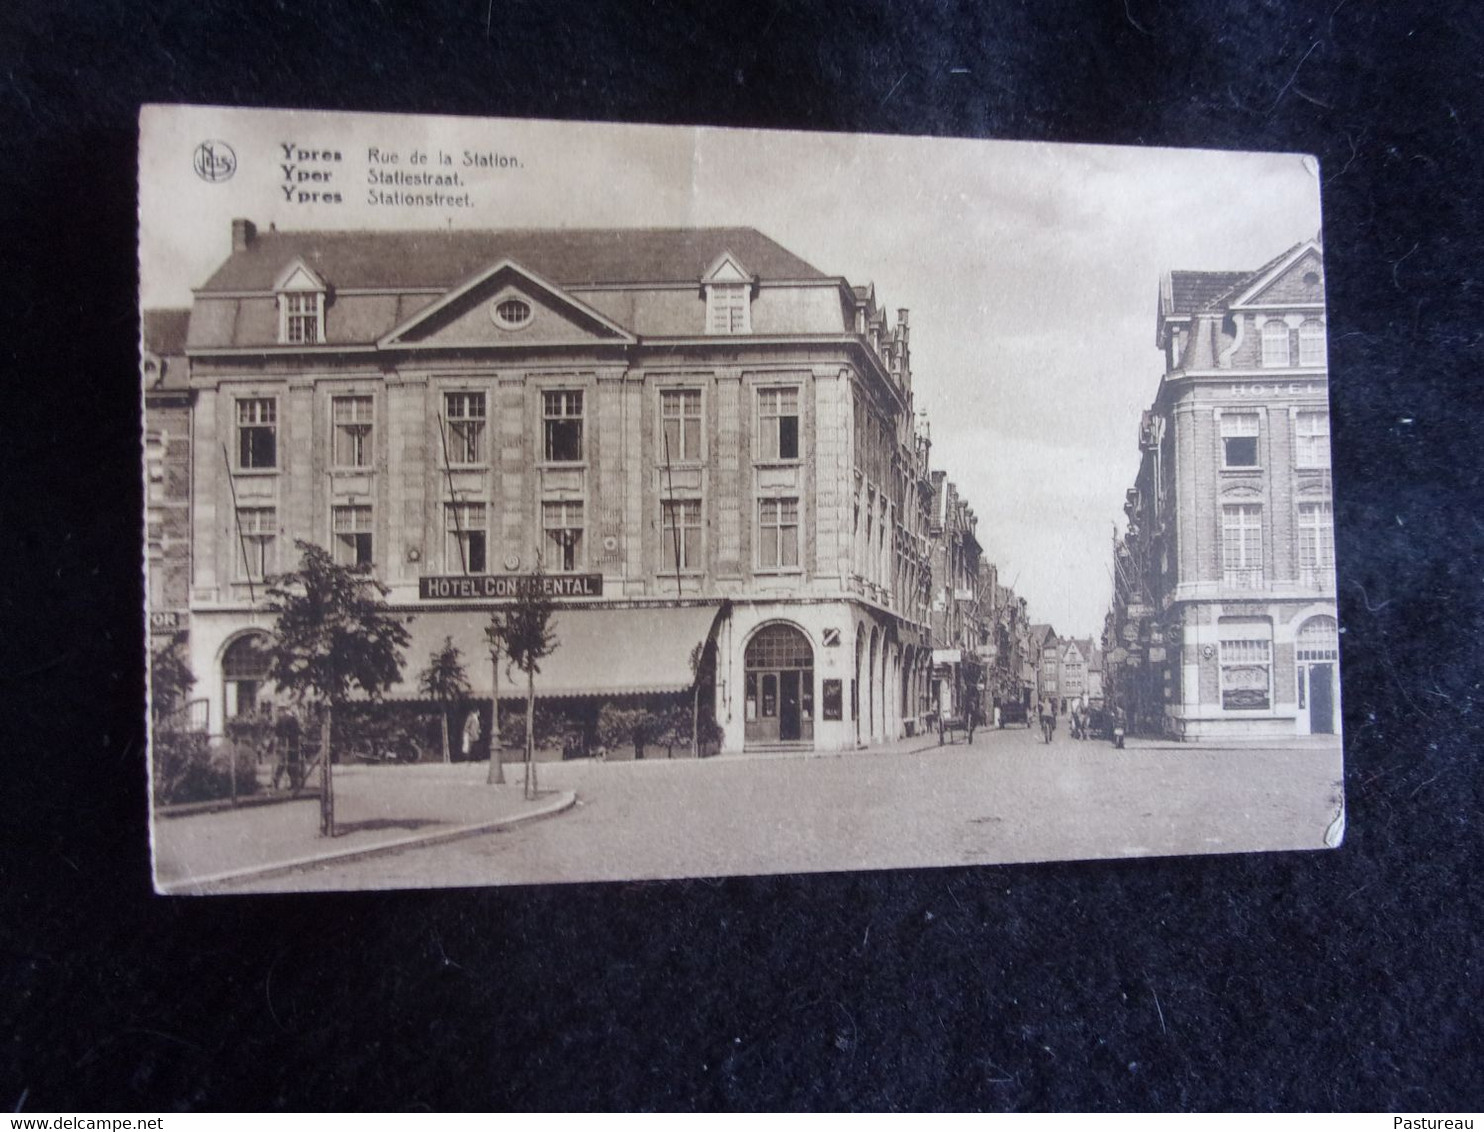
[165,330]
[565,256]
[1192,290]
[1249,278]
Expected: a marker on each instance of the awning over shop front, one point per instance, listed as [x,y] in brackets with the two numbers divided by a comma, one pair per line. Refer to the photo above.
[600,652]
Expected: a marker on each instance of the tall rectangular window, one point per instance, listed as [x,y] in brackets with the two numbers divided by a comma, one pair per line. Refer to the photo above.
[1246,674]
[561,411]
[1311,439]
[562,522]
[1311,342]
[1316,544]
[351,526]
[682,534]
[778,533]
[257,533]
[1239,432]
[1241,545]
[1275,353]
[465,541]
[257,432]
[778,423]
[301,317]
[352,418]
[680,414]
[464,415]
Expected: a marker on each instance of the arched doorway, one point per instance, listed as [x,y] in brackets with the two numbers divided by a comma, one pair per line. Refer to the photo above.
[244,675]
[779,664]
[1317,656]
[873,683]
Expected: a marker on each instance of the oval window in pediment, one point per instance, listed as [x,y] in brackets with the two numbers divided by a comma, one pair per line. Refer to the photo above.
[511,313]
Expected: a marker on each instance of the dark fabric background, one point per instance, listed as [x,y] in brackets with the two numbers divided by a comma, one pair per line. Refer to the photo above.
[1340,980]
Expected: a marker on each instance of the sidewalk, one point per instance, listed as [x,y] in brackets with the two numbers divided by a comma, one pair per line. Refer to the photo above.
[377,810]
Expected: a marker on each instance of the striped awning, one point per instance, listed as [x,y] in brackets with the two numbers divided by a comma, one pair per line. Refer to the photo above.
[600,652]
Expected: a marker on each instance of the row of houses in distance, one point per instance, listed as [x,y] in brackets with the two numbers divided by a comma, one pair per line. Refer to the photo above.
[713,443]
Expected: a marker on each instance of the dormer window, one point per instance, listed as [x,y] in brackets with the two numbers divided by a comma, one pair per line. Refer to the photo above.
[302,315]
[728,297]
[301,307]
[727,308]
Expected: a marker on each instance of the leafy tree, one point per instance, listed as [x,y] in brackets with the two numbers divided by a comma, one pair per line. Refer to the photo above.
[445,682]
[522,631]
[333,635]
[170,679]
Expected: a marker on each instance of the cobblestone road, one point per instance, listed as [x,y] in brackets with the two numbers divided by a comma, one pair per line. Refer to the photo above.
[1007,798]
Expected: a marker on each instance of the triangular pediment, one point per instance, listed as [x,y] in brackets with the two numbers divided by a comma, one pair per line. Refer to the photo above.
[1295,281]
[505,306]
[299,276]
[726,269]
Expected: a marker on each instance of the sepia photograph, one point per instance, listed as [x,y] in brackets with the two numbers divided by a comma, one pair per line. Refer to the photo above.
[534,502]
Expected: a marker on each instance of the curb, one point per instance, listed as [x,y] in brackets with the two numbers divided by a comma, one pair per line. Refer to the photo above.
[223,805]
[197,884]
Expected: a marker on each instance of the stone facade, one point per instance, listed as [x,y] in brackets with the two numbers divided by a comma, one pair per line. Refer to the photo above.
[688,417]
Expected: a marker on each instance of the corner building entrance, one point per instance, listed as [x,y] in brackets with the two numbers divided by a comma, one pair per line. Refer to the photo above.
[779,665]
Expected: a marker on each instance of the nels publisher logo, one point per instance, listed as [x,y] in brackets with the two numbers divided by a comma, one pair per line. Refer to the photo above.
[214,161]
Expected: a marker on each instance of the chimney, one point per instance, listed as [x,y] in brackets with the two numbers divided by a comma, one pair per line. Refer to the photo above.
[243,234]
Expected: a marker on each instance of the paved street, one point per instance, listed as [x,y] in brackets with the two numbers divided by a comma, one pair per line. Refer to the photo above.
[1007,798]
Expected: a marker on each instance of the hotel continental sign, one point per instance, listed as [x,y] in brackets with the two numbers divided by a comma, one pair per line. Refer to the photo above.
[697,435]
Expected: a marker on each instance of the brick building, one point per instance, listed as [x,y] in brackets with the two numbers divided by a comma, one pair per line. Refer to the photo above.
[957,633]
[701,437]
[1224,600]
[167,474]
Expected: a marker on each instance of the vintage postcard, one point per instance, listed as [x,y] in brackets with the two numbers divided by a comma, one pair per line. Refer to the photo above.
[536,501]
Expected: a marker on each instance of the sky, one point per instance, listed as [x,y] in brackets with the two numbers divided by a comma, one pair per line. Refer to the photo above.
[1031,270]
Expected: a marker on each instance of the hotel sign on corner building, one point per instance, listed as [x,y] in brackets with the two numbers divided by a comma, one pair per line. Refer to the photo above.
[506,587]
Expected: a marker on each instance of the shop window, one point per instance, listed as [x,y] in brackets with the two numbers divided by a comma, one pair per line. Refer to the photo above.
[1241,545]
[352,420]
[1275,353]
[682,534]
[351,526]
[778,423]
[257,433]
[1246,674]
[1311,439]
[1239,433]
[680,416]
[562,421]
[465,539]
[778,534]
[465,416]
[257,538]
[562,522]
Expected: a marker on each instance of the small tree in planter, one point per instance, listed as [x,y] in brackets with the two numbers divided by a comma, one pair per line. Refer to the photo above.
[333,635]
[622,727]
[524,634]
[445,683]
